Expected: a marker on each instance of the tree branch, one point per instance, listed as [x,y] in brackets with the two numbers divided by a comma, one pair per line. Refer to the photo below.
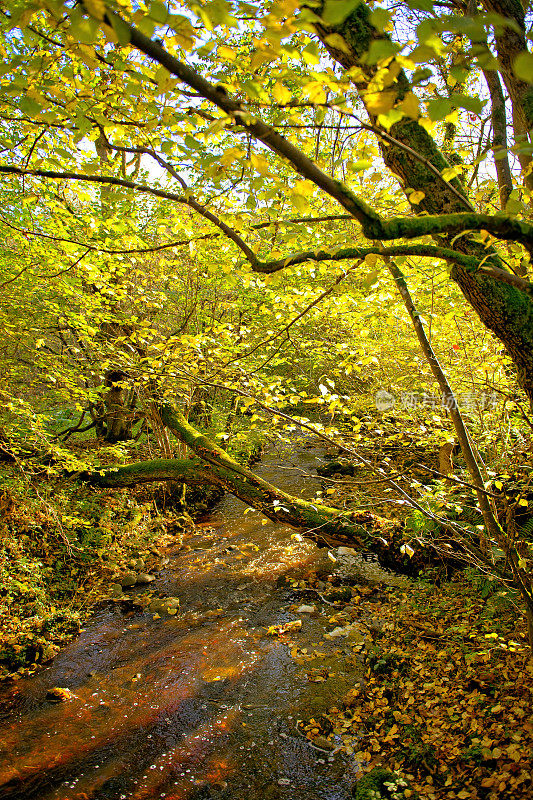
[373,226]
[138,187]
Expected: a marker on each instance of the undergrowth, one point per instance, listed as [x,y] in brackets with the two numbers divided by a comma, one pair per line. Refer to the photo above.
[59,548]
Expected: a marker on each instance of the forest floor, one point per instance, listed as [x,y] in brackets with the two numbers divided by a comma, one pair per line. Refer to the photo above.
[445,702]
[447,693]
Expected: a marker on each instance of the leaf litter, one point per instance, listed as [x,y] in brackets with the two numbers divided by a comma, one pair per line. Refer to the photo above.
[445,692]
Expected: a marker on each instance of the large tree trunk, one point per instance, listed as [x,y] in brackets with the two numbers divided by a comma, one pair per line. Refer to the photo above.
[118,403]
[504,309]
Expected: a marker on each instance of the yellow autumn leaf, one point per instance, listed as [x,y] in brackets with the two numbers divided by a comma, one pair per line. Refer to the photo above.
[306,188]
[227,53]
[335,40]
[259,163]
[427,124]
[300,204]
[286,7]
[281,93]
[450,173]
[416,197]
[314,90]
[261,57]
[379,102]
[230,156]
[453,117]
[410,106]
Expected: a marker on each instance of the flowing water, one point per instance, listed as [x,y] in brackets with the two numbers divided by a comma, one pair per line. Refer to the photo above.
[204,704]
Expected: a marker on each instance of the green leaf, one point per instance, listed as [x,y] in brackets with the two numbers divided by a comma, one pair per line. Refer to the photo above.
[158,11]
[523,67]
[85,30]
[29,107]
[380,49]
[473,104]
[146,25]
[420,5]
[320,115]
[371,279]
[438,108]
[336,11]
[121,29]
[380,18]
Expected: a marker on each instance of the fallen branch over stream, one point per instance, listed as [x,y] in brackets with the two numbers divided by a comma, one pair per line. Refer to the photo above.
[322,524]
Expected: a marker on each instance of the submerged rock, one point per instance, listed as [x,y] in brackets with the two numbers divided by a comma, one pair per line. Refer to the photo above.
[165,605]
[340,467]
[346,551]
[58,694]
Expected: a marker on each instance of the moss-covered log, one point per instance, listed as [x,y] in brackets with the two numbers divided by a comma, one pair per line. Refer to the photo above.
[322,524]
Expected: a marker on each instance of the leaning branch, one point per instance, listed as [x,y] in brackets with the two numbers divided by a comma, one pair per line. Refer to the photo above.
[320,523]
[372,224]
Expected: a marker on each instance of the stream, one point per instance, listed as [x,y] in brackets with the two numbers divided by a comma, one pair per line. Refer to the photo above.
[203,704]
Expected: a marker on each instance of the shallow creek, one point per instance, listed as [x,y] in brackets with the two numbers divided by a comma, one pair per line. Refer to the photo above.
[200,705]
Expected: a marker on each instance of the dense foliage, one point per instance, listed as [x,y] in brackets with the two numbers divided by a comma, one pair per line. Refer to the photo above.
[227,208]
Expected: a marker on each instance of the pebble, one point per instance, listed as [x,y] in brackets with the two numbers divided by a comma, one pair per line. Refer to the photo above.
[348,630]
[336,632]
[323,743]
[306,610]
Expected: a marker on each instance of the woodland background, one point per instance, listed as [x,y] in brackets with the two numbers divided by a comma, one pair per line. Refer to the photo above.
[223,221]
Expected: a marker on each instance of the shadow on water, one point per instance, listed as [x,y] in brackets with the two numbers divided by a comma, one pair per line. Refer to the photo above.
[201,705]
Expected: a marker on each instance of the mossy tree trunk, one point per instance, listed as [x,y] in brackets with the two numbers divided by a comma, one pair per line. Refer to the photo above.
[119,403]
[504,309]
